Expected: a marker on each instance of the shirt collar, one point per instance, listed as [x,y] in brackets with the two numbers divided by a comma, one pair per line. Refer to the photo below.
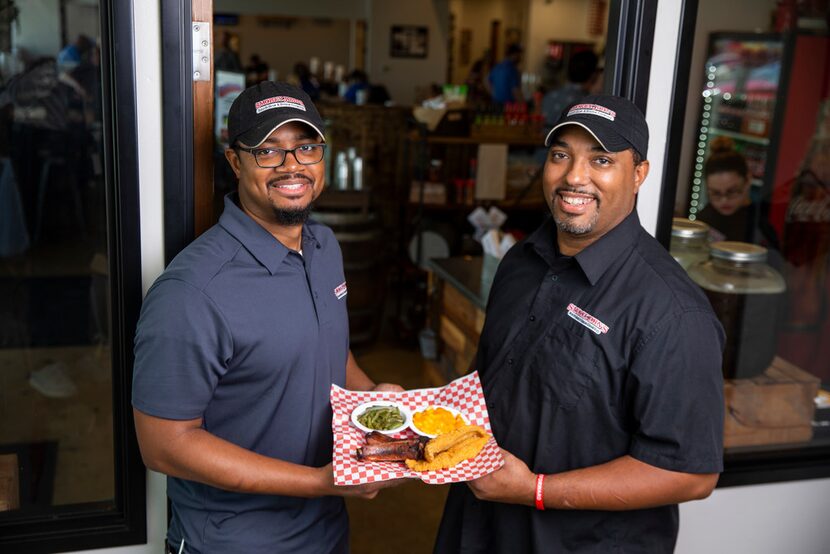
[256,239]
[595,259]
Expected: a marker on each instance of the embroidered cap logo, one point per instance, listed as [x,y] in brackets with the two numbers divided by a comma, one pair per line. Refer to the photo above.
[279,102]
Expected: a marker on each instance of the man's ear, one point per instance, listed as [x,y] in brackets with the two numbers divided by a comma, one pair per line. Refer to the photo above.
[233,159]
[640,174]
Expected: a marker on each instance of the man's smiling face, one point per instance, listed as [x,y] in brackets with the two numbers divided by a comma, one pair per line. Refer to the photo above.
[589,191]
[277,195]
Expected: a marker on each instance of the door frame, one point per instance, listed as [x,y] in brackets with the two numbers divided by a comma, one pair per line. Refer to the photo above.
[188,127]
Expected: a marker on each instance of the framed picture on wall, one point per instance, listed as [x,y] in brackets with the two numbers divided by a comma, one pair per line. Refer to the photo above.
[408,41]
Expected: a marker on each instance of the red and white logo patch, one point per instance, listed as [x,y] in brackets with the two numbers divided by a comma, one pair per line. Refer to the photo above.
[279,102]
[593,109]
[340,290]
[586,319]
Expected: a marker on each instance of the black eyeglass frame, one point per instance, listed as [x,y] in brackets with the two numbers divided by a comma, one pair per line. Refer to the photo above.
[285,151]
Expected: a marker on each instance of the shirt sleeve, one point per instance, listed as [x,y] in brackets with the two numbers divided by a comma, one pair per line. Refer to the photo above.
[182,345]
[676,390]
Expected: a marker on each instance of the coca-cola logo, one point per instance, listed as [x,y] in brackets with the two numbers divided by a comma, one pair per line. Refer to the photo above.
[809,210]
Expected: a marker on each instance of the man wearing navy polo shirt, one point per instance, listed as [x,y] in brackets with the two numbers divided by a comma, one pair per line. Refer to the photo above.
[238,344]
[600,362]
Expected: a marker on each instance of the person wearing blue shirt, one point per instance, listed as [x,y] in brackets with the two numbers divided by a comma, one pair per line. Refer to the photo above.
[504,80]
[238,344]
[358,81]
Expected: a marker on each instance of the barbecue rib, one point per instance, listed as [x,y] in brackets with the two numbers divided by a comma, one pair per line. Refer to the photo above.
[392,451]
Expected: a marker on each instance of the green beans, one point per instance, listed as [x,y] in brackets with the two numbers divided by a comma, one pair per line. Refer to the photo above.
[381,418]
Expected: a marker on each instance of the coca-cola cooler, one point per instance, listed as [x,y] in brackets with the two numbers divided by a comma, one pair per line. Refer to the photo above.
[797,194]
[742,88]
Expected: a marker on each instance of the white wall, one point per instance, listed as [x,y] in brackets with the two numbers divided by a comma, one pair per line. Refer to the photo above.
[403,76]
[281,48]
[780,518]
[151,197]
[476,16]
[565,20]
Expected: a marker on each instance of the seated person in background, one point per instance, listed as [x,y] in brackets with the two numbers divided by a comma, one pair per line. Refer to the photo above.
[358,81]
[731,213]
[307,81]
[256,71]
[582,73]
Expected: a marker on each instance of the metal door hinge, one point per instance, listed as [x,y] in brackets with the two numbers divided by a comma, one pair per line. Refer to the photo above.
[201,51]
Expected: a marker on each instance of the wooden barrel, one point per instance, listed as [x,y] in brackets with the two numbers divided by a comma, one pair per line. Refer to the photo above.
[361,240]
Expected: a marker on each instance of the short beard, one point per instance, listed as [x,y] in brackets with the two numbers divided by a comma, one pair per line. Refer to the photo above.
[295,216]
[572,228]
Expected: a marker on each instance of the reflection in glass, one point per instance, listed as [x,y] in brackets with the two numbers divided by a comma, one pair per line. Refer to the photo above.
[56,432]
[759,174]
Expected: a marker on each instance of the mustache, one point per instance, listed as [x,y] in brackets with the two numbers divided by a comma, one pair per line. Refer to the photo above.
[290,176]
[576,190]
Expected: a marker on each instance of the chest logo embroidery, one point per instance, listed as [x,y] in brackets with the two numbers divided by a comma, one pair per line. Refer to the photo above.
[340,290]
[586,319]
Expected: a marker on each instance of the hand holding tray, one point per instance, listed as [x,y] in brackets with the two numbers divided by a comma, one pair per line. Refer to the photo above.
[464,394]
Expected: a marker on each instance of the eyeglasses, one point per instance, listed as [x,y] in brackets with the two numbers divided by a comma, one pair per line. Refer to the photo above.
[305,154]
[728,194]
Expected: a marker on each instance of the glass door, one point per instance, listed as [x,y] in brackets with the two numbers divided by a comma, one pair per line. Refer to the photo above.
[69,277]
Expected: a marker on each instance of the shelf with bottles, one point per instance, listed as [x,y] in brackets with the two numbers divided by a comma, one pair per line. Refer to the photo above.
[512,123]
[741,115]
[449,176]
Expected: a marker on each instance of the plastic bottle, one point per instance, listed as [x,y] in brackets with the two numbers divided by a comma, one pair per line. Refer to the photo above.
[341,171]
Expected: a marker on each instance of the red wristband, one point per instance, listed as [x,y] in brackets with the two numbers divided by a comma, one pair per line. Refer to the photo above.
[540,492]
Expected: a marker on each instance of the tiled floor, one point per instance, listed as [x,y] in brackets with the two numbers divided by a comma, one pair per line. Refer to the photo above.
[403,519]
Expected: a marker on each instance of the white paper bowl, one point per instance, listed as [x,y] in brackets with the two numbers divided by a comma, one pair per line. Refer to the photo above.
[453,411]
[407,418]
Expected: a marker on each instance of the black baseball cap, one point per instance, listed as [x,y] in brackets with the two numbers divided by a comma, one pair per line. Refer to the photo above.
[259,110]
[615,122]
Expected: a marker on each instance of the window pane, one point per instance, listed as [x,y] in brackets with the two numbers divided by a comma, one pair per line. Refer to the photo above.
[56,431]
[755,168]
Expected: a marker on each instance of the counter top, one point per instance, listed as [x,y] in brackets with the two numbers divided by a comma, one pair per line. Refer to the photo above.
[464,273]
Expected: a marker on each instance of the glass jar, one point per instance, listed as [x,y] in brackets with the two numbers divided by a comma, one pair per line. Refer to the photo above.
[689,241]
[747,296]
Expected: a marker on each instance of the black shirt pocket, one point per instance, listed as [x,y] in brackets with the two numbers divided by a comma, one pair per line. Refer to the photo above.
[564,364]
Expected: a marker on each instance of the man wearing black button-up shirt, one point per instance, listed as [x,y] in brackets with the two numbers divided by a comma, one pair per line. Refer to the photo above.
[601,365]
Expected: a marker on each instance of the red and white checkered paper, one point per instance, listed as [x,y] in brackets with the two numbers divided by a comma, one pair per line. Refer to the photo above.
[464,394]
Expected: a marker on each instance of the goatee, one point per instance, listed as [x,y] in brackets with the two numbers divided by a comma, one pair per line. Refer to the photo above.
[294,216]
[566,225]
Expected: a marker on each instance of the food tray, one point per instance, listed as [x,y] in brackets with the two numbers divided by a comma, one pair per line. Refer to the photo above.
[464,394]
